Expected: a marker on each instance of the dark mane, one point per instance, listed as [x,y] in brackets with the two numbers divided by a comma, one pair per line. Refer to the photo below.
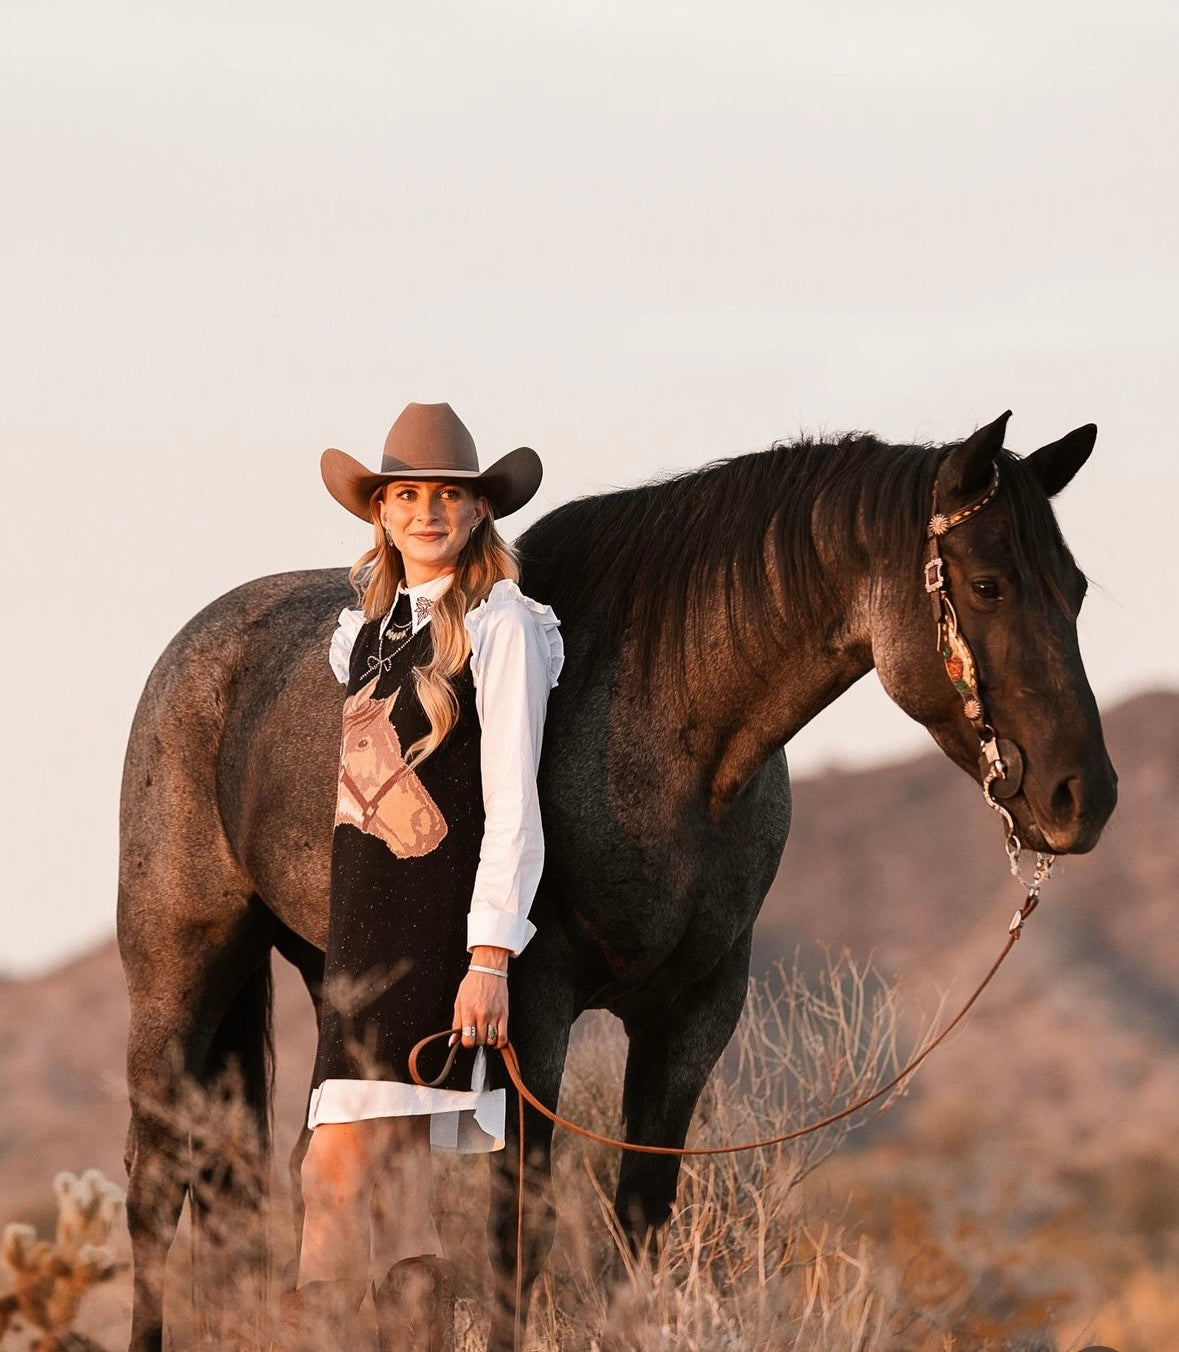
[641,559]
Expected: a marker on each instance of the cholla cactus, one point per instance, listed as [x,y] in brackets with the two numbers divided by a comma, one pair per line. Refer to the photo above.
[87,1209]
[49,1279]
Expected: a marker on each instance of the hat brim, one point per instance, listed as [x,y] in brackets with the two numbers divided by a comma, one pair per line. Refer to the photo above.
[508,484]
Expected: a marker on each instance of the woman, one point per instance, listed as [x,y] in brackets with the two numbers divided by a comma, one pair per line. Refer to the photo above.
[436,854]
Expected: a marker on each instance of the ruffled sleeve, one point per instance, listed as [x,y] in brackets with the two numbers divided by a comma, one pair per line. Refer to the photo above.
[507,604]
[340,653]
[516,657]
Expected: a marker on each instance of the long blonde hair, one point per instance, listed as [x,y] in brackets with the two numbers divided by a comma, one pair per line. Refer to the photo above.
[486,559]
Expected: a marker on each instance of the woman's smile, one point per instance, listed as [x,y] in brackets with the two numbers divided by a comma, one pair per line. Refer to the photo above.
[430,523]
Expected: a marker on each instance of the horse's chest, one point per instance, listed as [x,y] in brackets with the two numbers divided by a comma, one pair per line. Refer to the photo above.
[643,888]
[634,930]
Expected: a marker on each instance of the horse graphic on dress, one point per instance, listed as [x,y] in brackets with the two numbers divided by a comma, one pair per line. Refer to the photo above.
[706,619]
[378,792]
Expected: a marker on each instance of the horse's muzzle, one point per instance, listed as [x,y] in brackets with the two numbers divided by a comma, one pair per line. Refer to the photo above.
[1076,810]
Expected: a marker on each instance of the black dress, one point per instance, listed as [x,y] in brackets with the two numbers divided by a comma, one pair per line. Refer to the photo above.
[405,850]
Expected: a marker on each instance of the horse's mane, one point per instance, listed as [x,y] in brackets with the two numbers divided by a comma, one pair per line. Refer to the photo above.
[642,559]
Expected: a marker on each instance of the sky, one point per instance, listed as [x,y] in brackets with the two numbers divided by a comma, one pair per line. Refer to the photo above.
[636,236]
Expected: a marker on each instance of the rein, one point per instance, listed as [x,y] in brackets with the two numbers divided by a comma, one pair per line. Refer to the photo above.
[525,1095]
[1001,768]
[512,1066]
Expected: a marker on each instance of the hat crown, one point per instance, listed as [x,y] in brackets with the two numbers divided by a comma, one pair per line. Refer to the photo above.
[428,437]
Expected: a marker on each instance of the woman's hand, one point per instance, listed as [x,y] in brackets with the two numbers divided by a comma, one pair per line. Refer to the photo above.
[482,1001]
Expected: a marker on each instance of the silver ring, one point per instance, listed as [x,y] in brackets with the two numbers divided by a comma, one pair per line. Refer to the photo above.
[492,1033]
[469,1030]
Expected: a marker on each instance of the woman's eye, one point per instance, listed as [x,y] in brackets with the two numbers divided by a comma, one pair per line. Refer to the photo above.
[986,588]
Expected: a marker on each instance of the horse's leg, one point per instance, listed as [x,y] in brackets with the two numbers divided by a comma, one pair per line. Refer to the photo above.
[156,1178]
[182,988]
[308,960]
[542,1012]
[666,1069]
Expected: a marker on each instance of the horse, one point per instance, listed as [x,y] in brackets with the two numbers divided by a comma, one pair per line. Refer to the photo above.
[707,617]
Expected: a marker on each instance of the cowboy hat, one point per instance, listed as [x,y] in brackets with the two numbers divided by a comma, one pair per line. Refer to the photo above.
[429,441]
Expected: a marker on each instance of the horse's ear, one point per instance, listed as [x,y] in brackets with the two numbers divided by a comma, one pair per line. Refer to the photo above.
[968,469]
[1055,464]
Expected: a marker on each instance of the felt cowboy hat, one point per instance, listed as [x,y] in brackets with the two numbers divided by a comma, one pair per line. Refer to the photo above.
[429,441]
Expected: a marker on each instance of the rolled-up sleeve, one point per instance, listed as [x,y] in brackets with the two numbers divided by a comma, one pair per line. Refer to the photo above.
[516,655]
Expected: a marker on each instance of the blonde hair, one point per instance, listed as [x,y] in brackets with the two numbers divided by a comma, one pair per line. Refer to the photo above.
[486,559]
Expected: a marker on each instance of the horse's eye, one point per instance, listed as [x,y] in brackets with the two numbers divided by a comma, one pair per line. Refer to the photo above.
[985,588]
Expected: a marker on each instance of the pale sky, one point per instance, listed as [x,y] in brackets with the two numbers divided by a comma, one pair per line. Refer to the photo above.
[635,236]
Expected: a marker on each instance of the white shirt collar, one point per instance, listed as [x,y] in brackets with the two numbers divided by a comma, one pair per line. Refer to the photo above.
[421,598]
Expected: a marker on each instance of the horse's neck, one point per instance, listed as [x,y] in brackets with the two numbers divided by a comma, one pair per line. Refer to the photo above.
[739,711]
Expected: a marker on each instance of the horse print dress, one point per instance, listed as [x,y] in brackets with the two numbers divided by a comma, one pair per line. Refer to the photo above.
[431,859]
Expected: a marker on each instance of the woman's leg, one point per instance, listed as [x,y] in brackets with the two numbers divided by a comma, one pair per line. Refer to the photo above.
[336,1178]
[414,1298]
[339,1173]
[402,1223]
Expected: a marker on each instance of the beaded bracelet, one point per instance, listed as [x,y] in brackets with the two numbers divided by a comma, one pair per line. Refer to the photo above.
[491,971]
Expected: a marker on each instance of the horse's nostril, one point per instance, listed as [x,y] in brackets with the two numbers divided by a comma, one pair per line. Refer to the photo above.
[1066,799]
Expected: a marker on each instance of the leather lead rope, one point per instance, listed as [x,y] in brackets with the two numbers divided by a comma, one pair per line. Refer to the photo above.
[525,1095]
[512,1065]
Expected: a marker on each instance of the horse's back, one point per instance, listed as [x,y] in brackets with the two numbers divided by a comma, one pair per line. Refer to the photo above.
[195,668]
[231,751]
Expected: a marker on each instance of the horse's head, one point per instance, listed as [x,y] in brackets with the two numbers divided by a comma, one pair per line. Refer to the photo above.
[1015,592]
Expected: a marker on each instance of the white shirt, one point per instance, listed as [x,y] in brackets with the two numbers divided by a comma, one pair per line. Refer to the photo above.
[516,657]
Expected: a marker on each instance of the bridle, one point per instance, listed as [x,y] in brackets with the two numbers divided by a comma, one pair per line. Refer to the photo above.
[1000,761]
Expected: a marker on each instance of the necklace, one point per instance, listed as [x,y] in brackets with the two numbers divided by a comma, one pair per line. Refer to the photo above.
[399,636]
[382,660]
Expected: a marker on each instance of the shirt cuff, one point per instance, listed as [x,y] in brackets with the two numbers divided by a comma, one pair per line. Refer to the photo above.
[498,929]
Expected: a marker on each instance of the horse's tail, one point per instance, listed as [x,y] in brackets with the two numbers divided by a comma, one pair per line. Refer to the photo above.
[231,1132]
[232,1153]
[246,1037]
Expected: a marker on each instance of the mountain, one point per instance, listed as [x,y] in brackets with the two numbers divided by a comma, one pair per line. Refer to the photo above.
[906,863]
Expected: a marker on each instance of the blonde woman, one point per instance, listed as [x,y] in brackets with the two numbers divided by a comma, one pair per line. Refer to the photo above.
[436,854]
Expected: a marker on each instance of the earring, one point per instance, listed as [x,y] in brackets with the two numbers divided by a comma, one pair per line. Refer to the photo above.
[389,537]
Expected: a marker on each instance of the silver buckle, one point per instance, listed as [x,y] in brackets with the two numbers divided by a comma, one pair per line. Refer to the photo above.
[935,580]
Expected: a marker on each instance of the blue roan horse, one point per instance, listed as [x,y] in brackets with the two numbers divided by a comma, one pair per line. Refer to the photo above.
[706,618]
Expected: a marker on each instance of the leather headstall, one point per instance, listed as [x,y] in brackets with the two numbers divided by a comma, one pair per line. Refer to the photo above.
[1000,761]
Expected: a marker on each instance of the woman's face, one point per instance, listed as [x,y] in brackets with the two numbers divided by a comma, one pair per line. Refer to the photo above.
[430,523]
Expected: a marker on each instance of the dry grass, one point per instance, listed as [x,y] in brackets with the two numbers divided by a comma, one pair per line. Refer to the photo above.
[867,1255]
[739,1266]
